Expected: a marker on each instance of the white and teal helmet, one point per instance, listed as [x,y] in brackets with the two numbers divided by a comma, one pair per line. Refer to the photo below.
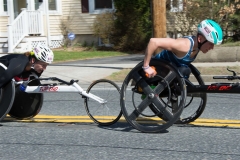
[43,53]
[211,31]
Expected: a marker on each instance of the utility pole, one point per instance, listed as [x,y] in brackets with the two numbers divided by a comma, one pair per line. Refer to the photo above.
[159,19]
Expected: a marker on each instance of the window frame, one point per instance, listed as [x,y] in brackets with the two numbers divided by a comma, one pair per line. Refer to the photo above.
[92,9]
[2,12]
[176,9]
[58,10]
[35,4]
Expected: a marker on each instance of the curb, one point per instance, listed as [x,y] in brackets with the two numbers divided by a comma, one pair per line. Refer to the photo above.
[220,54]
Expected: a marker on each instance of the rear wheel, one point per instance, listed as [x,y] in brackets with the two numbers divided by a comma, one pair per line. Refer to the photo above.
[26,105]
[7,94]
[142,98]
[7,98]
[195,102]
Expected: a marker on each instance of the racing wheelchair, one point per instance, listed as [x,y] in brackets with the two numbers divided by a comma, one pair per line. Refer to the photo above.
[154,104]
[101,99]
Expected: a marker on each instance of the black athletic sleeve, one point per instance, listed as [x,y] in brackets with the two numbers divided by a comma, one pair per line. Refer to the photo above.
[16,66]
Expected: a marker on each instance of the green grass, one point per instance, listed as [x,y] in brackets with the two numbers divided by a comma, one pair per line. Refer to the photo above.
[63,55]
[230,44]
[118,76]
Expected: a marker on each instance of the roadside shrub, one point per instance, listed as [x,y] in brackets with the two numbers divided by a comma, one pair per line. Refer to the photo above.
[103,26]
[132,25]
[128,28]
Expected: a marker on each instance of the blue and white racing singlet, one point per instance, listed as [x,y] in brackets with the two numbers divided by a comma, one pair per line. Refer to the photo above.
[171,57]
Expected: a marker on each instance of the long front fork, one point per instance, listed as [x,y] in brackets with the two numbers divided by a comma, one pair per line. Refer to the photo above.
[74,88]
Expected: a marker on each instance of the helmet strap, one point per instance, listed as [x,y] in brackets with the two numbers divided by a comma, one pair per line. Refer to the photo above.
[199,43]
[32,66]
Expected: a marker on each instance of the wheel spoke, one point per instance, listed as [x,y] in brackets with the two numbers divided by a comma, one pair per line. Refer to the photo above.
[161,106]
[139,109]
[136,76]
[162,85]
[170,76]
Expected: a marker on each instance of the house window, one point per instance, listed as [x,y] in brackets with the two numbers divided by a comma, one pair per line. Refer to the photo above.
[103,4]
[55,7]
[97,6]
[3,8]
[36,4]
[85,6]
[52,4]
[5,5]
[174,5]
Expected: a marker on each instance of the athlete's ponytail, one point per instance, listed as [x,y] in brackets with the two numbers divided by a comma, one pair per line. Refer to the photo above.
[28,54]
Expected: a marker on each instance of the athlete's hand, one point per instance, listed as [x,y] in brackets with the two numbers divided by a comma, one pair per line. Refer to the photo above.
[150,72]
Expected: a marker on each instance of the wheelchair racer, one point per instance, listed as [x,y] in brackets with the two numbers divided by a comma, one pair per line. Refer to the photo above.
[20,66]
[183,51]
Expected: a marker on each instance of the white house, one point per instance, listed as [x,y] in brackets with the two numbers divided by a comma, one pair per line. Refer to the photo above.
[25,23]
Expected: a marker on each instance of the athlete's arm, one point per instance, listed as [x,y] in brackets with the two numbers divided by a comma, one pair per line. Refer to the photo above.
[178,46]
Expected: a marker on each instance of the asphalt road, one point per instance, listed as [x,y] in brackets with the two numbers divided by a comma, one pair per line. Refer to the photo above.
[76,140]
[215,138]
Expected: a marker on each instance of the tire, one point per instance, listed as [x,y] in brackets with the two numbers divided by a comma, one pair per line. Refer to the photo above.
[103,114]
[26,105]
[136,105]
[195,103]
[7,94]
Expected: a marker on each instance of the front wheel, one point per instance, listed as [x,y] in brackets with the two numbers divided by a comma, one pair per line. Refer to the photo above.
[109,112]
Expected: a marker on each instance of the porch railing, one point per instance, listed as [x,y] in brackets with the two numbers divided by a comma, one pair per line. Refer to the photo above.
[26,23]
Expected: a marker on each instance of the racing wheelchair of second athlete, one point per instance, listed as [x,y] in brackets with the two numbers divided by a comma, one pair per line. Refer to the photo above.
[154,104]
[101,99]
